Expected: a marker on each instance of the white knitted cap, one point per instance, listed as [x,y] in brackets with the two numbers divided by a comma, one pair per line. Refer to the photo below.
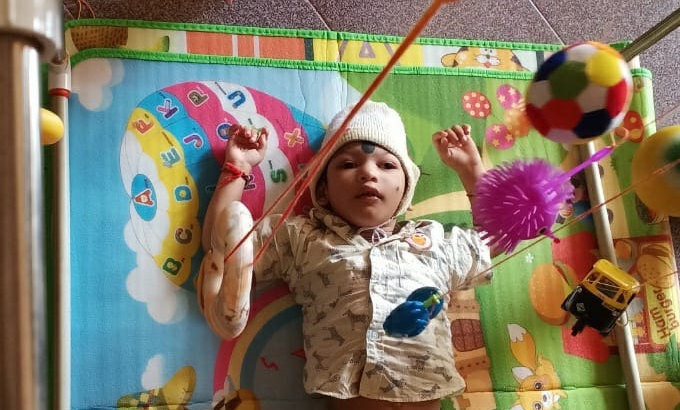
[374,122]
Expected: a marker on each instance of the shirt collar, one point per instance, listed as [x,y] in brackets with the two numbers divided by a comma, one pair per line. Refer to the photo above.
[354,235]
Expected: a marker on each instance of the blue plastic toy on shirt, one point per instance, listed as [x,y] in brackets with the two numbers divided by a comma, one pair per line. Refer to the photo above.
[412,317]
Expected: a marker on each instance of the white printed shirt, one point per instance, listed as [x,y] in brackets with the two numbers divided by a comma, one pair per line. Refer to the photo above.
[347,286]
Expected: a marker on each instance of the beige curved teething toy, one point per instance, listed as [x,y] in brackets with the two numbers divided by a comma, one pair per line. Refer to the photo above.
[224,288]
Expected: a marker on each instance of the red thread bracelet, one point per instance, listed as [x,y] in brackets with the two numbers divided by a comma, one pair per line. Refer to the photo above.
[231,173]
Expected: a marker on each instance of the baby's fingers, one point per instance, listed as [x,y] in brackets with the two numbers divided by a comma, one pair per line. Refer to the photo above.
[440,140]
[262,138]
[462,132]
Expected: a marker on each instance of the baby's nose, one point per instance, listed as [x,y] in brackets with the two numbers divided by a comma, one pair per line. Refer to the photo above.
[368,172]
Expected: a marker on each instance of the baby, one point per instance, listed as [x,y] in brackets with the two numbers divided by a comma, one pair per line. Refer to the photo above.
[350,262]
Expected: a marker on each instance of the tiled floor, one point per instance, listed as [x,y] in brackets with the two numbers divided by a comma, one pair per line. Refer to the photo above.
[547,21]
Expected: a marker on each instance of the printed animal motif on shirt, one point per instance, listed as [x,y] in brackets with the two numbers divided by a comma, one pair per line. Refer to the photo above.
[319,361]
[442,372]
[335,378]
[342,254]
[340,296]
[308,293]
[358,357]
[356,318]
[392,382]
[333,335]
[426,394]
[334,303]
[354,387]
[311,239]
[320,316]
[419,361]
[361,274]
[325,278]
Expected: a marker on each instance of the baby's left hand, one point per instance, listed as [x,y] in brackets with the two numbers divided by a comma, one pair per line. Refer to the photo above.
[457,149]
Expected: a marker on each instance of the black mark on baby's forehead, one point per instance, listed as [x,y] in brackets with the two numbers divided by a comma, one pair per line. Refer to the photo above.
[367,147]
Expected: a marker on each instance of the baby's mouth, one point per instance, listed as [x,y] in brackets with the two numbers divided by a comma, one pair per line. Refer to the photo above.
[370,193]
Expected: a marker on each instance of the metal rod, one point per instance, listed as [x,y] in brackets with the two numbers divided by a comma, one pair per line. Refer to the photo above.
[30,32]
[605,244]
[22,303]
[652,36]
[58,234]
[603,232]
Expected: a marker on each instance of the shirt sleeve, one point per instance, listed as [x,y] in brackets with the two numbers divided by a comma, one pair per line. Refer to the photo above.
[469,259]
[276,258]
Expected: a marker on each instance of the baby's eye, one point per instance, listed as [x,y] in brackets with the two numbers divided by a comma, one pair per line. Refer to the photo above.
[390,165]
[347,165]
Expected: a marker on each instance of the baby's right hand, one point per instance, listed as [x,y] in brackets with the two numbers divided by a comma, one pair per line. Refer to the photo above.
[457,149]
[246,146]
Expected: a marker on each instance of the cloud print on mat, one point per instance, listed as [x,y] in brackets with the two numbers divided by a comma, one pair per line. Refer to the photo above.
[153,374]
[145,235]
[146,283]
[93,80]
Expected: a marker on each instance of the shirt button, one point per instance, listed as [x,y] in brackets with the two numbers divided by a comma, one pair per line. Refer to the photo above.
[373,335]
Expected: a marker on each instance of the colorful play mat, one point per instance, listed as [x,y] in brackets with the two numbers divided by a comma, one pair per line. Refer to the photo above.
[148,116]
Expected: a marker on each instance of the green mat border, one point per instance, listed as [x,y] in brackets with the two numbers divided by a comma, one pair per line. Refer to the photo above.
[317,34]
[313,35]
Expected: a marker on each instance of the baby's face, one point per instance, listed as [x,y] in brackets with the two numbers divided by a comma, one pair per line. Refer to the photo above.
[364,184]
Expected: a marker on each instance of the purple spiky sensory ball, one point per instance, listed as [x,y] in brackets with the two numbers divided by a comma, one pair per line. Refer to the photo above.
[519,200]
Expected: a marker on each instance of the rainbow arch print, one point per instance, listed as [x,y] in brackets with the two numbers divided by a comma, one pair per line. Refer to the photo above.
[264,365]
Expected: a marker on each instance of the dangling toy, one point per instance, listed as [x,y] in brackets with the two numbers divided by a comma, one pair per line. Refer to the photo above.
[661,193]
[51,127]
[412,317]
[579,93]
[521,200]
[601,297]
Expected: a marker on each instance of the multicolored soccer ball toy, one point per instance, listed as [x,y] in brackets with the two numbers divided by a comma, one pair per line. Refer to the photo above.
[579,93]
